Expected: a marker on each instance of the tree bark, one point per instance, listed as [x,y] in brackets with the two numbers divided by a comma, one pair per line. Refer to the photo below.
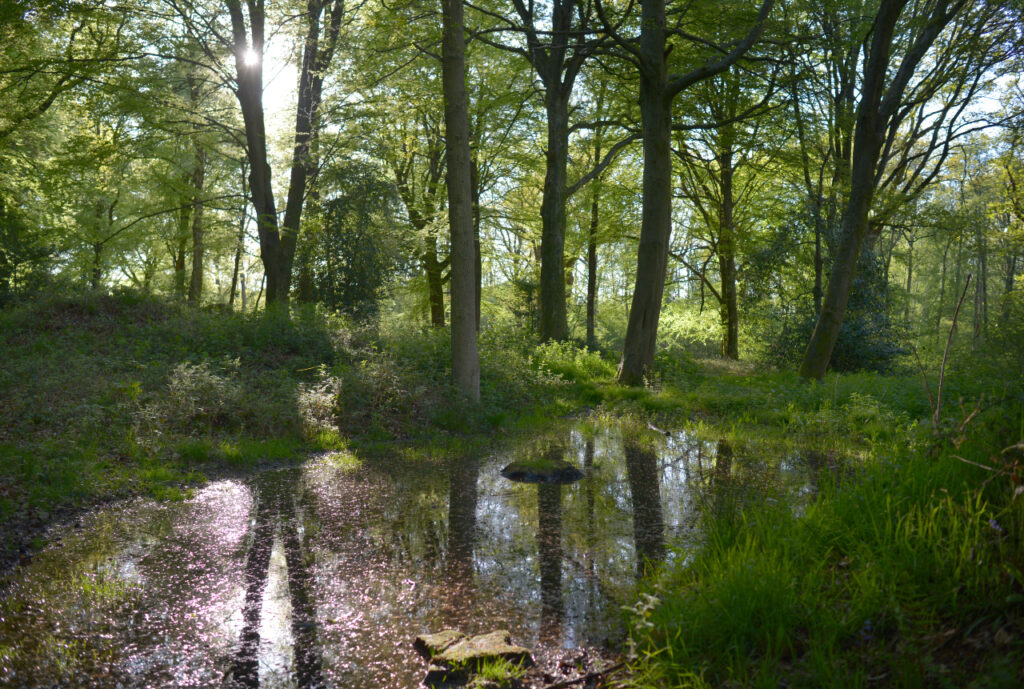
[239,245]
[727,255]
[465,360]
[868,134]
[656,218]
[592,260]
[277,244]
[554,324]
[195,288]
[656,95]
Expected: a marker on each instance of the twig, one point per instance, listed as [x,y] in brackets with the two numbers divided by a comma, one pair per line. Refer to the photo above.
[585,678]
[945,354]
[980,466]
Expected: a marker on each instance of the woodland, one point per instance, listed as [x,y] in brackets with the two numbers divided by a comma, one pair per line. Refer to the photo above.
[239,237]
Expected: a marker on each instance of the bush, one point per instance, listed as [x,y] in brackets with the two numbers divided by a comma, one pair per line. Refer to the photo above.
[868,338]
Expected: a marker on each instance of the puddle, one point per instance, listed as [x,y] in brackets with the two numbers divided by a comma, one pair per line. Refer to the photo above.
[322,576]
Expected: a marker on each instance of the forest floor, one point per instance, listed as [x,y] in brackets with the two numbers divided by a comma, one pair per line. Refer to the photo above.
[910,574]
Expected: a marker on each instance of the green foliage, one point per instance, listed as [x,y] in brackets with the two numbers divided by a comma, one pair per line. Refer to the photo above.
[906,566]
[841,591]
[868,338]
[351,250]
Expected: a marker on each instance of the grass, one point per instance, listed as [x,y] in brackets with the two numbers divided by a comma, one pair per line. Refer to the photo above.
[105,396]
[908,573]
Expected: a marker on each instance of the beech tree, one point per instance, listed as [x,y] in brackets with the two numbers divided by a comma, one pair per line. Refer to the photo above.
[658,88]
[465,360]
[908,115]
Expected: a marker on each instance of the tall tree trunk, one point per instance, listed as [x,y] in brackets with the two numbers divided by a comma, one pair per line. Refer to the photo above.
[478,274]
[553,320]
[942,287]
[435,285]
[595,202]
[981,287]
[465,360]
[181,248]
[819,263]
[727,256]
[656,95]
[1011,268]
[239,245]
[277,244]
[656,218]
[868,137]
[592,264]
[879,105]
[195,288]
[910,278]
[96,274]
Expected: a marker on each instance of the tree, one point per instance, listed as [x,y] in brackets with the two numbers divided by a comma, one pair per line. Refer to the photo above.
[323,20]
[658,89]
[465,360]
[909,111]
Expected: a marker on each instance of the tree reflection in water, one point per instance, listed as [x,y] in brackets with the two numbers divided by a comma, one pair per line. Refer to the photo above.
[645,494]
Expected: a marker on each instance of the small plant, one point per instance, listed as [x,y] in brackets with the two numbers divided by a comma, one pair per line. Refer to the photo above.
[497,672]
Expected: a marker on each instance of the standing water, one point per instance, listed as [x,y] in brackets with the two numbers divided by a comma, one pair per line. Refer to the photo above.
[323,575]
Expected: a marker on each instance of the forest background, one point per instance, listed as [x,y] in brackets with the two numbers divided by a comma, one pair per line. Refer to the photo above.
[207,206]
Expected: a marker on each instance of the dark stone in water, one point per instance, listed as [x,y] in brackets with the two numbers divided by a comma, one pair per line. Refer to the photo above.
[543,471]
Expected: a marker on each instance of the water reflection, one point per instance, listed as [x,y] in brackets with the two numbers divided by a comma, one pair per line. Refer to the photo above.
[549,552]
[645,493]
[462,507]
[322,576]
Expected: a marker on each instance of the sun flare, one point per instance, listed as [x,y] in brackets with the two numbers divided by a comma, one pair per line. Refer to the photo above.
[250,57]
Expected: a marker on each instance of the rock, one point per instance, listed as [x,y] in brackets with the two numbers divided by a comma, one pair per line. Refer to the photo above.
[473,651]
[454,657]
[430,645]
[544,471]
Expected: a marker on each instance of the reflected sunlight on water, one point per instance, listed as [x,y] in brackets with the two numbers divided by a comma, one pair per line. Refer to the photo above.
[343,567]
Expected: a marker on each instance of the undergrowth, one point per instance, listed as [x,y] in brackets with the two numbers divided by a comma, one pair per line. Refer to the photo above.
[908,573]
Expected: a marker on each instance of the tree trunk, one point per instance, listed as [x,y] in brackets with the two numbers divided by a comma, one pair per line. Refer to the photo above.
[477,257]
[868,136]
[942,287]
[592,264]
[96,276]
[656,94]
[180,249]
[277,245]
[465,361]
[239,246]
[656,221]
[819,263]
[553,320]
[1011,268]
[435,286]
[727,256]
[195,288]
[910,278]
[981,288]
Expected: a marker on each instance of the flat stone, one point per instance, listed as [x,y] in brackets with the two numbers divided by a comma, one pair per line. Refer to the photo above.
[474,651]
[542,472]
[430,645]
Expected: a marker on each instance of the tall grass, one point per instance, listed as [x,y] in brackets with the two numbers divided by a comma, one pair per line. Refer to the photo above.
[908,573]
